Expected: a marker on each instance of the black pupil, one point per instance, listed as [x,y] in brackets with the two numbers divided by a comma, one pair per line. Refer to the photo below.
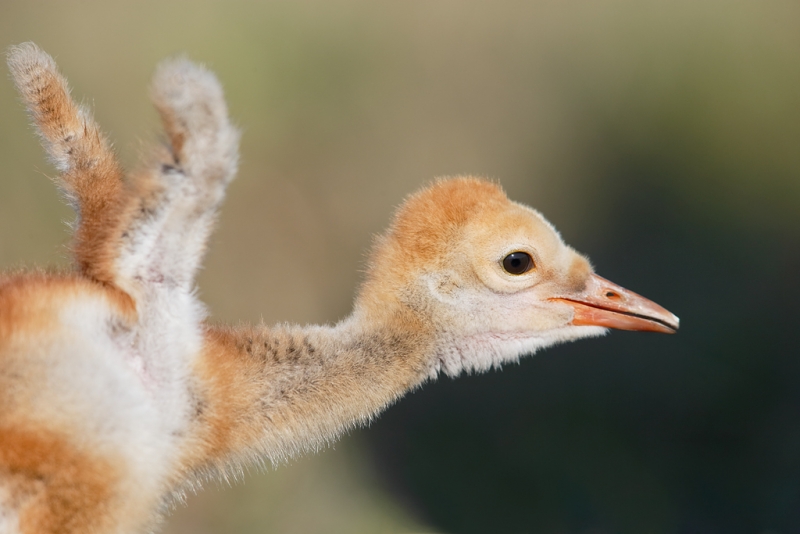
[517,263]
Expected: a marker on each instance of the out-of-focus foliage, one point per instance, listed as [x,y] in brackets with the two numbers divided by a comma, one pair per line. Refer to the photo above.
[663,139]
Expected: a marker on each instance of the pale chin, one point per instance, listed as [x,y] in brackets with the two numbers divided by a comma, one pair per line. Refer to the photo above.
[480,352]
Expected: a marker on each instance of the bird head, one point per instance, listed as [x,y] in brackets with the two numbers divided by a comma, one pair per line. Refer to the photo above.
[488,280]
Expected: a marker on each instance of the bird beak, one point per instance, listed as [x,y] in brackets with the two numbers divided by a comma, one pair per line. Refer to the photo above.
[604,303]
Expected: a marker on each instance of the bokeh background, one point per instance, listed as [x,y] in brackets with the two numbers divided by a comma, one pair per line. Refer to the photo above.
[661,138]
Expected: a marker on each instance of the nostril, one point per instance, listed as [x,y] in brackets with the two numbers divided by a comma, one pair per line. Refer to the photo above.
[612,295]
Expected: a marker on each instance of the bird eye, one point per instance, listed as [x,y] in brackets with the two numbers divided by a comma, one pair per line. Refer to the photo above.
[518,263]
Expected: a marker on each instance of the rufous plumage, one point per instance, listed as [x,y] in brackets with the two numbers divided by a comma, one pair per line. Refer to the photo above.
[116,393]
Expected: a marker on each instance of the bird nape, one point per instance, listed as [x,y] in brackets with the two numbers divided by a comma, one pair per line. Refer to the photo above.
[116,393]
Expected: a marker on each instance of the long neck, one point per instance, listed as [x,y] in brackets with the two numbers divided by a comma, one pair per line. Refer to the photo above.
[276,391]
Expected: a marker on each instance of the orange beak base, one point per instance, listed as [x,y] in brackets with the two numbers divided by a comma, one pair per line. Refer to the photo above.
[604,303]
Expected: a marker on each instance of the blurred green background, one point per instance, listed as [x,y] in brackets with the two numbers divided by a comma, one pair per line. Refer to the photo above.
[661,138]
